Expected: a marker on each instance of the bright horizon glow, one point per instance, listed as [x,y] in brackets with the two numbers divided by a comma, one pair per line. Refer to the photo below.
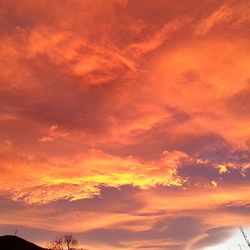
[234,242]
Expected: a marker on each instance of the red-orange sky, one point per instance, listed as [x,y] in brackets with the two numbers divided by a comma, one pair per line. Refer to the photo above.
[125,122]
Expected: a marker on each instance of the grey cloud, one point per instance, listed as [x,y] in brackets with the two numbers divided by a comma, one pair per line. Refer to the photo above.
[239,103]
[213,236]
[163,229]
[239,208]
[111,200]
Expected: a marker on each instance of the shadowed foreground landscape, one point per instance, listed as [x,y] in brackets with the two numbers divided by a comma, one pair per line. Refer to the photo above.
[10,242]
[13,242]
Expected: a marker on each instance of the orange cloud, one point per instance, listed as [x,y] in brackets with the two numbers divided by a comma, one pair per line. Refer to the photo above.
[81,177]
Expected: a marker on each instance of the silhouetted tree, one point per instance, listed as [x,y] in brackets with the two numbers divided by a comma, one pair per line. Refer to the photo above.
[57,244]
[66,242]
[70,242]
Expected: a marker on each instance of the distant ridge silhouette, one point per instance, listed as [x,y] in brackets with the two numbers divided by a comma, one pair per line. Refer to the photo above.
[11,242]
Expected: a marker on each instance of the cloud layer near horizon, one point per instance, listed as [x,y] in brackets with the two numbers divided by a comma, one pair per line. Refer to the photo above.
[130,113]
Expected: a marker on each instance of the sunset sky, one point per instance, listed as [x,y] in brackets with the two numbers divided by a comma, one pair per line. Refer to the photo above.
[126,122]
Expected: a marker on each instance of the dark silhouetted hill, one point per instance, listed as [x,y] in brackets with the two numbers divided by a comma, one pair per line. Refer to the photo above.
[10,242]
